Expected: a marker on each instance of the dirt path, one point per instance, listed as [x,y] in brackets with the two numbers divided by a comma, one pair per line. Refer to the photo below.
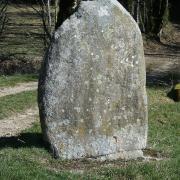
[13,125]
[18,88]
[162,70]
[163,59]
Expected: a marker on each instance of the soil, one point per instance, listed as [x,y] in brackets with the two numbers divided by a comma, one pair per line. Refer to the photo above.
[20,87]
[15,124]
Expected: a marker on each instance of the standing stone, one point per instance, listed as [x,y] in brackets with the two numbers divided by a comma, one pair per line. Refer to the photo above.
[92,96]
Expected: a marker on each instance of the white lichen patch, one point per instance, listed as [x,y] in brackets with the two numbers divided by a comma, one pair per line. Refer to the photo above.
[99,77]
[105,111]
[138,121]
[77,109]
[56,36]
[90,131]
[98,123]
[77,131]
[97,90]
[123,108]
[107,102]
[103,11]
[86,82]
[125,117]
[97,56]
[99,82]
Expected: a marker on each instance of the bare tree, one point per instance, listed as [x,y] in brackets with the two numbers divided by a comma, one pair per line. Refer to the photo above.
[151,15]
[3,16]
[66,8]
[45,11]
[61,9]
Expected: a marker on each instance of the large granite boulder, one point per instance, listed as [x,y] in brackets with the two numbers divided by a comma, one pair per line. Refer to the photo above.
[92,96]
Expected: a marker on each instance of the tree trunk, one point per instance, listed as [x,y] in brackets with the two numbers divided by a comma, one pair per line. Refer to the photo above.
[66,8]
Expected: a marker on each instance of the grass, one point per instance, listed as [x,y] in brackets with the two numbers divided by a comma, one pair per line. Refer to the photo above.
[6,81]
[17,103]
[25,156]
[164,128]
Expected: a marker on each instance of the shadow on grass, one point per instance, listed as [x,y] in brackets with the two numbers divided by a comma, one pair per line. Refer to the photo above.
[166,80]
[23,140]
[162,79]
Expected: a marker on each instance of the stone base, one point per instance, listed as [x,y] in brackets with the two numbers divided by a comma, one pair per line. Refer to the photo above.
[123,155]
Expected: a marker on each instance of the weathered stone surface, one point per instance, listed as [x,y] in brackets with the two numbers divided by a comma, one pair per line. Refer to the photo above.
[92,95]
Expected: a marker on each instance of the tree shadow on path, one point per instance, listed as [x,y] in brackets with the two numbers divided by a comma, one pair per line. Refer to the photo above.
[168,80]
[162,79]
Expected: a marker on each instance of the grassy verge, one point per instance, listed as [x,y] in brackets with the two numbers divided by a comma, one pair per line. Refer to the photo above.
[17,103]
[25,156]
[15,79]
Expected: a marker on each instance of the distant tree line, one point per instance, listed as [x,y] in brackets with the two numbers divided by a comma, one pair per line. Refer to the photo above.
[151,15]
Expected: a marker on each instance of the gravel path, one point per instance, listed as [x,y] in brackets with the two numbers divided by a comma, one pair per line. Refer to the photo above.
[163,59]
[4,91]
[162,70]
[13,125]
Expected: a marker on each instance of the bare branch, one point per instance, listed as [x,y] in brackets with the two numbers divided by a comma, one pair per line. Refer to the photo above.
[3,17]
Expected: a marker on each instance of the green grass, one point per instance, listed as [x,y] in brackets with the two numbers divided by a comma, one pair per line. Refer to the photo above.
[17,103]
[25,156]
[15,79]
[164,119]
